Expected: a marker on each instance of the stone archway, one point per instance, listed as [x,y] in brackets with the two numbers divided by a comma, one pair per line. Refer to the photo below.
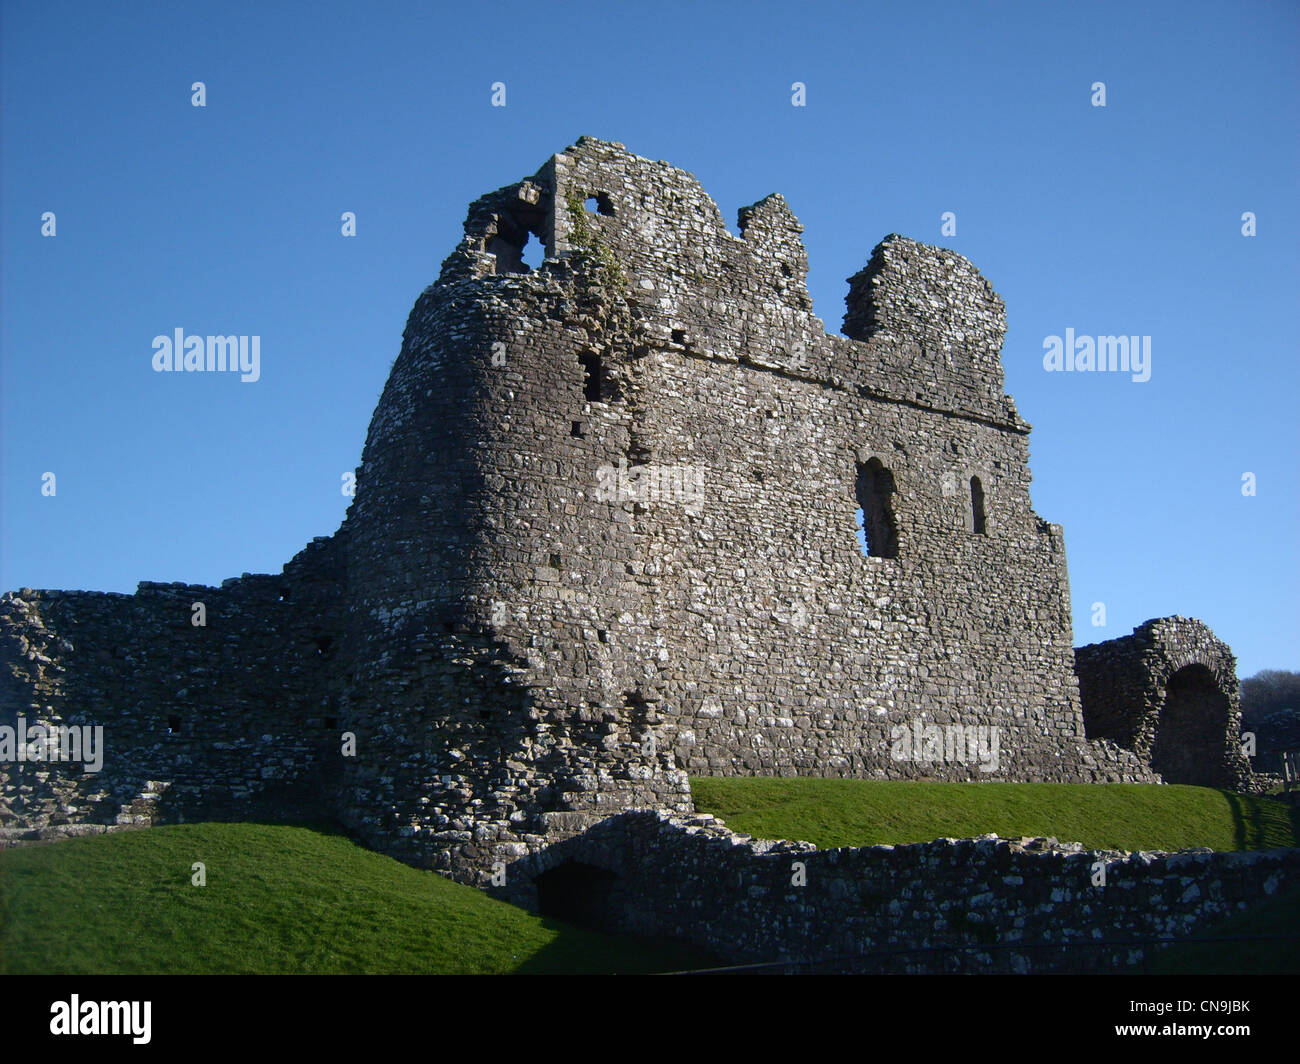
[1169,694]
[1189,744]
[581,894]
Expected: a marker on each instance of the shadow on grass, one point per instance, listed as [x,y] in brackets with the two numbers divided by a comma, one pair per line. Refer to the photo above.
[577,951]
[1252,819]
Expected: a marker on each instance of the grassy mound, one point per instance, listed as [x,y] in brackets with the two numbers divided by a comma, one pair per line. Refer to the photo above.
[277,899]
[839,812]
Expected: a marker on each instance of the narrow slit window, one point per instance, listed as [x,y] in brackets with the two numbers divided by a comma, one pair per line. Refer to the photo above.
[977,521]
[591,376]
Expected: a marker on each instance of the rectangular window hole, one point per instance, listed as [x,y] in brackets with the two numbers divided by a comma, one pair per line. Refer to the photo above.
[591,376]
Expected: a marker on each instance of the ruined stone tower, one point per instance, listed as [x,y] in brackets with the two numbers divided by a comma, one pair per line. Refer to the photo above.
[629,515]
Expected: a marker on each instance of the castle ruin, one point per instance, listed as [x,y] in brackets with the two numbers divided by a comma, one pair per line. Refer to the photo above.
[627,516]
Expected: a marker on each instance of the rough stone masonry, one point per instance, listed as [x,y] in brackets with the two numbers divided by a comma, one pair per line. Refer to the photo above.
[628,515]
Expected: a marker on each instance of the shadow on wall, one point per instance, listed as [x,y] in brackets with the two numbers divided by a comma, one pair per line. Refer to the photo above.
[301,802]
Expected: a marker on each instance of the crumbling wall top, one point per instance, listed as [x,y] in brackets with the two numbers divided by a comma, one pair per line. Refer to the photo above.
[927,327]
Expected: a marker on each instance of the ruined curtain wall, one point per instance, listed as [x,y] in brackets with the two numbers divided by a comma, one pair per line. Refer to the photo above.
[229,719]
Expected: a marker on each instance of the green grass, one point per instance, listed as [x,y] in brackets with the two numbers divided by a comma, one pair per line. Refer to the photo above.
[1279,916]
[278,899]
[297,899]
[836,812]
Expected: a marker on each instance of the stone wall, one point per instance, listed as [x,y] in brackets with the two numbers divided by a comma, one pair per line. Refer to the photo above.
[971,905]
[1169,693]
[232,719]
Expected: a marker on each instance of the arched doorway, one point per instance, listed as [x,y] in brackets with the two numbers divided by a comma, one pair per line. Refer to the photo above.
[582,895]
[1189,745]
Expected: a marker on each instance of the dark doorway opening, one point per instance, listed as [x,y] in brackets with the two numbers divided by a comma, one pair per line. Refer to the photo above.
[1191,741]
[580,894]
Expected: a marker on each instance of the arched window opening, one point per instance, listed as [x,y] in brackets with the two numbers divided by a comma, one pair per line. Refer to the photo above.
[877,527]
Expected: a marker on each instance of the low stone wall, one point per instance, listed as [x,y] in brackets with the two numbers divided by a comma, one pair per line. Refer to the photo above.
[914,908]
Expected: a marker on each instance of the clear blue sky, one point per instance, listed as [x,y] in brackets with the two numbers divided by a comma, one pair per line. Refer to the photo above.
[1124,219]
